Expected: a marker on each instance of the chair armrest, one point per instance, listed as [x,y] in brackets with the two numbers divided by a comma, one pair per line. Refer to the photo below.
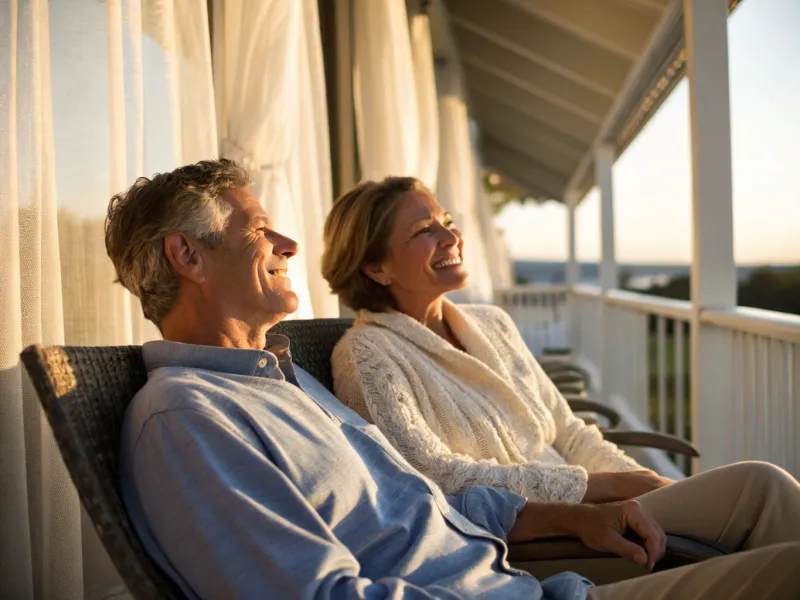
[648,439]
[681,550]
[581,405]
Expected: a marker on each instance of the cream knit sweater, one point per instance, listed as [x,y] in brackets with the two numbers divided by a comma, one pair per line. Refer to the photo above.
[488,416]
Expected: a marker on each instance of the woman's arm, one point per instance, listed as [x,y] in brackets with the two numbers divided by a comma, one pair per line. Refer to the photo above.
[365,375]
[577,442]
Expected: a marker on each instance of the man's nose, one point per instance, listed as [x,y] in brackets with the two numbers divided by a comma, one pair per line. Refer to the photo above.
[284,246]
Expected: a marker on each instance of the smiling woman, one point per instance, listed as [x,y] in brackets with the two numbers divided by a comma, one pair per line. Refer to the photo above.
[389,245]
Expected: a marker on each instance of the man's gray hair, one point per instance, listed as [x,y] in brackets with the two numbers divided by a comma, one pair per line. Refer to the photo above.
[187,201]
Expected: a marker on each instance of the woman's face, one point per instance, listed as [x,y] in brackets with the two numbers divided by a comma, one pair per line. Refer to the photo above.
[425,259]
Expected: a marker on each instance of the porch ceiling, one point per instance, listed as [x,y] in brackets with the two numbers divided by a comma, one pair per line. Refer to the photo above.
[546,79]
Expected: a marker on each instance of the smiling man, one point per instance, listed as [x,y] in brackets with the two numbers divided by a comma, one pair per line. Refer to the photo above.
[245,478]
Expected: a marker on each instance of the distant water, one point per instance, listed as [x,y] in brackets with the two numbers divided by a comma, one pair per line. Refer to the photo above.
[642,276]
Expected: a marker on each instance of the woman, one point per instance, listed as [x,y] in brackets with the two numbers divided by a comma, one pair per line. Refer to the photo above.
[457,392]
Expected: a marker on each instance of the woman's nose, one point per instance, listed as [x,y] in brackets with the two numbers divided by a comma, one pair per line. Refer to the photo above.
[450,237]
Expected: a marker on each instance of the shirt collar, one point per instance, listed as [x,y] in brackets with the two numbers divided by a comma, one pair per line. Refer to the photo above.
[237,361]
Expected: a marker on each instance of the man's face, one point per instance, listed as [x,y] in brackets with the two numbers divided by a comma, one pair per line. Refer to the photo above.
[246,277]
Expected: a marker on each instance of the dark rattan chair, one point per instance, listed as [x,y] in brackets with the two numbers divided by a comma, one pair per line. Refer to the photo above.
[85,391]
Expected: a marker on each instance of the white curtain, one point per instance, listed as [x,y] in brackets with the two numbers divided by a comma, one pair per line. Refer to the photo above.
[394,92]
[92,94]
[497,257]
[272,116]
[458,188]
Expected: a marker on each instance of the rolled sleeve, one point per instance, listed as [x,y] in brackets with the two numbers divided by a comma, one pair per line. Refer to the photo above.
[493,509]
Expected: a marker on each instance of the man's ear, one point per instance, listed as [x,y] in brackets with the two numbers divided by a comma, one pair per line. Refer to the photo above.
[377,274]
[182,253]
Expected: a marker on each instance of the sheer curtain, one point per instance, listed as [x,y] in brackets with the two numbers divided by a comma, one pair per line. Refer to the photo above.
[92,94]
[272,116]
[394,92]
[412,120]
[458,189]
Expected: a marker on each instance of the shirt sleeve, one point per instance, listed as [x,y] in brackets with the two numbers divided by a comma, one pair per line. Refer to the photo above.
[493,509]
[234,526]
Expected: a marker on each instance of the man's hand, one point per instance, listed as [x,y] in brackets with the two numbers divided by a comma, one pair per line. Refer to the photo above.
[613,487]
[600,527]
[603,526]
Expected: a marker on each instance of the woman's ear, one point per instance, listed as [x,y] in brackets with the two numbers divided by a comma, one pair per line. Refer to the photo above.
[377,274]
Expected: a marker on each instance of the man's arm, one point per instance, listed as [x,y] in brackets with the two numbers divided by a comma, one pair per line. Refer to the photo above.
[601,527]
[234,526]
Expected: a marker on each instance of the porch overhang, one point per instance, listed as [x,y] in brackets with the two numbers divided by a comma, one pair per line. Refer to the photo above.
[550,80]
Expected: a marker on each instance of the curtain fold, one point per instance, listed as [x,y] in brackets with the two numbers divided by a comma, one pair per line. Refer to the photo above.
[92,95]
[457,188]
[394,92]
[269,82]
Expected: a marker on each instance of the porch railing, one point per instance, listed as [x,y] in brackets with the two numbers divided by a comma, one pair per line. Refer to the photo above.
[540,313]
[639,347]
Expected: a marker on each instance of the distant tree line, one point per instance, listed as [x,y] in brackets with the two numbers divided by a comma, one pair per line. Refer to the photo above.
[763,288]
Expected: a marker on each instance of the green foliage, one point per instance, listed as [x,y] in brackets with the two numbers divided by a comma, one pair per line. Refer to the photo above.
[764,288]
[503,192]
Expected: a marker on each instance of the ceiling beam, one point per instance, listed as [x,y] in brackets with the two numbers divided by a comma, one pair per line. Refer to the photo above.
[477,50]
[522,166]
[579,105]
[509,95]
[487,110]
[653,6]
[541,42]
[520,141]
[616,27]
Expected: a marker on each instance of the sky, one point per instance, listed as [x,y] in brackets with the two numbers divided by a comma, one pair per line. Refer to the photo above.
[652,179]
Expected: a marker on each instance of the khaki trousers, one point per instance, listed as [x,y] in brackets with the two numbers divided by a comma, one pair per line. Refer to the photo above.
[751,508]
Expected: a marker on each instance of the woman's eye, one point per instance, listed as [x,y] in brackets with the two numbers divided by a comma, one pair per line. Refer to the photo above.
[425,230]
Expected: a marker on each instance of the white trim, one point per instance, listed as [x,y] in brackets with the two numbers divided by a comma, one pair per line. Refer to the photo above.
[775,325]
[673,309]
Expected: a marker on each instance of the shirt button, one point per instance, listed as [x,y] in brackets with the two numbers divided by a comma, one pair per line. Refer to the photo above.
[262,362]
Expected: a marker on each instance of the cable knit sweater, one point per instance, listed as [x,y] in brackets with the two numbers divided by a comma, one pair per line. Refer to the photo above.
[488,416]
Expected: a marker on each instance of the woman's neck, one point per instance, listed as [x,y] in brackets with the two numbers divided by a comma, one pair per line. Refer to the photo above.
[431,315]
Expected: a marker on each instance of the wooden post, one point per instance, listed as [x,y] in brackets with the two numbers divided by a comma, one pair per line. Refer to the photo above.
[713,268]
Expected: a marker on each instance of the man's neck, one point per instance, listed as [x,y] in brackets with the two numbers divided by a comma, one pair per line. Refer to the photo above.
[190,327]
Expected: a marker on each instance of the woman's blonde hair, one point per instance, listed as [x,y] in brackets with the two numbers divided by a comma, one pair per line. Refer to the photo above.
[357,234]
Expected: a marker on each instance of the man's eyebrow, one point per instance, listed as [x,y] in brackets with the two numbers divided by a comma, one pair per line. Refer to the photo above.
[260,221]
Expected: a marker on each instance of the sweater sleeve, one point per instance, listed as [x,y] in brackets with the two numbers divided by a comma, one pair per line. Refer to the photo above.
[368,380]
[577,442]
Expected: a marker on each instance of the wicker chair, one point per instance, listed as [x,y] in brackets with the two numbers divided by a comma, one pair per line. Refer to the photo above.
[85,391]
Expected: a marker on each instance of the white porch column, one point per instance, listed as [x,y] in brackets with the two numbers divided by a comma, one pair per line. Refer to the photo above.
[713,269]
[572,270]
[572,274]
[603,165]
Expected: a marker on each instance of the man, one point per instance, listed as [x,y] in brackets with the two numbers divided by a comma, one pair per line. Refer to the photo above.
[245,478]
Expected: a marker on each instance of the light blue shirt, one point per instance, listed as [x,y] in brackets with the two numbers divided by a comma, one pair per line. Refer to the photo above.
[246,478]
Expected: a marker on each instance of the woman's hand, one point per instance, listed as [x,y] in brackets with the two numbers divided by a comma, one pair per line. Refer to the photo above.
[614,487]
